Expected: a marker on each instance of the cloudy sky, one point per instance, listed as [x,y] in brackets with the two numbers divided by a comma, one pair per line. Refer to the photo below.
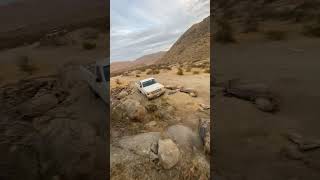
[140,27]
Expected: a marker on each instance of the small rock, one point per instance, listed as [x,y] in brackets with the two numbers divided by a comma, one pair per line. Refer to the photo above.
[172,92]
[168,152]
[122,94]
[204,107]
[151,124]
[193,95]
[134,110]
[264,104]
[171,87]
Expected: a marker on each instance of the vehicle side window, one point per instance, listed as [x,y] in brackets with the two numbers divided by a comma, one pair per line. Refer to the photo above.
[140,84]
[98,74]
[106,72]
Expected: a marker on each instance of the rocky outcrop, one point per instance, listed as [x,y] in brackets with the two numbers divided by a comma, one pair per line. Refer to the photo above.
[168,152]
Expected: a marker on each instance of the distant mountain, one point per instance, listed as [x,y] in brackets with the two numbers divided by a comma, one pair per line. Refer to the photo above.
[142,61]
[193,45]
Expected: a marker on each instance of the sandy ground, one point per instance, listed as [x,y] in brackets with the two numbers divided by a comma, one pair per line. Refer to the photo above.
[248,143]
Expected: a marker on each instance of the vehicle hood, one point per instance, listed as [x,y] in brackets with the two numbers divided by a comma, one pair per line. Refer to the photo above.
[153,87]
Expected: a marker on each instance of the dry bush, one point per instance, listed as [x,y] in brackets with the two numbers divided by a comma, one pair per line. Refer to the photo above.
[180,71]
[88,45]
[207,70]
[196,72]
[188,69]
[275,35]
[149,72]
[224,32]
[118,81]
[25,65]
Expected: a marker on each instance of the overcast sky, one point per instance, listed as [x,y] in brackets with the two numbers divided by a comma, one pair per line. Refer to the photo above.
[140,27]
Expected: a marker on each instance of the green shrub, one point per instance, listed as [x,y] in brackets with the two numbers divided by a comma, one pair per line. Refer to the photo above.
[88,45]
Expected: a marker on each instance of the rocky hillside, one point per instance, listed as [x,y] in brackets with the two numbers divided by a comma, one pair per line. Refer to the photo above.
[142,61]
[193,45]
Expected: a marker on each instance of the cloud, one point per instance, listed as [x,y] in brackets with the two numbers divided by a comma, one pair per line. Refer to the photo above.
[140,27]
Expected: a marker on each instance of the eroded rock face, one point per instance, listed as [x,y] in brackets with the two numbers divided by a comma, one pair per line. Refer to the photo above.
[135,111]
[204,133]
[168,152]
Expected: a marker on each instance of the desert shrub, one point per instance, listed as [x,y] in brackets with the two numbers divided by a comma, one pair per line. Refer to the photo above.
[275,35]
[25,65]
[88,45]
[137,75]
[196,72]
[224,32]
[153,71]
[118,81]
[180,71]
[207,70]
[188,69]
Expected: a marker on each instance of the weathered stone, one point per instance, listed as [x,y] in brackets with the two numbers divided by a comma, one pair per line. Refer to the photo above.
[171,87]
[141,143]
[184,137]
[168,152]
[134,110]
[122,94]
[265,104]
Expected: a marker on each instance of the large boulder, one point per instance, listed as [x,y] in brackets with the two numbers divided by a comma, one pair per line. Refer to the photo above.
[184,137]
[122,94]
[204,133]
[141,143]
[168,153]
[134,110]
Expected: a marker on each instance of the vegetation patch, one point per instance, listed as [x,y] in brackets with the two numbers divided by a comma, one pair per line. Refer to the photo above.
[180,71]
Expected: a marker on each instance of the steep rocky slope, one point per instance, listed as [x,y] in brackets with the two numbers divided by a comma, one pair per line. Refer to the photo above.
[193,45]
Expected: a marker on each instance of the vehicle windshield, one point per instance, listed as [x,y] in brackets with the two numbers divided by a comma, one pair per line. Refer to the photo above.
[148,83]
[106,72]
